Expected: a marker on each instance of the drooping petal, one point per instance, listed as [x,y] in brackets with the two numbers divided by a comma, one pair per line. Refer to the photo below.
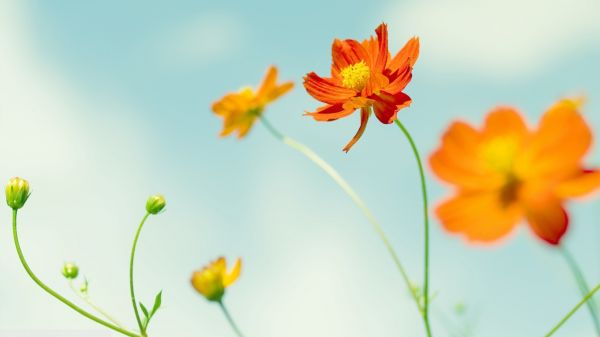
[364,118]
[584,182]
[407,55]
[479,216]
[386,106]
[545,215]
[233,275]
[330,113]
[325,90]
[457,160]
[560,142]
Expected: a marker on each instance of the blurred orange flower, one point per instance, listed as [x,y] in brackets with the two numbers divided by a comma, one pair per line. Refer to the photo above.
[241,109]
[505,173]
[213,279]
[364,75]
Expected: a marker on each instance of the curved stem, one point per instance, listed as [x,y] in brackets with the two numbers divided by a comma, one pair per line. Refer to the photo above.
[230,320]
[426,223]
[583,286]
[131,288]
[570,313]
[310,154]
[89,301]
[54,293]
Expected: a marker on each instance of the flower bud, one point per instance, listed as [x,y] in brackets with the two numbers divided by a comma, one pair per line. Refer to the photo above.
[155,204]
[70,271]
[17,192]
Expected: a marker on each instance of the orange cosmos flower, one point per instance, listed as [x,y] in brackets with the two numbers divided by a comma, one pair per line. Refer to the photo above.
[212,280]
[364,75]
[506,172]
[241,109]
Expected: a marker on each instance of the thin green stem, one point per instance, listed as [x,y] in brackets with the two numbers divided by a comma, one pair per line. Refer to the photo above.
[570,313]
[86,298]
[54,293]
[426,223]
[583,286]
[310,154]
[131,288]
[230,320]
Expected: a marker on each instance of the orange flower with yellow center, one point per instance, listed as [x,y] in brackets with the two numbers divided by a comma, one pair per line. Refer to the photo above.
[241,109]
[364,76]
[212,280]
[505,173]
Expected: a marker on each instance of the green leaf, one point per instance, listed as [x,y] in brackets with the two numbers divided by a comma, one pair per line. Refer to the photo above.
[157,303]
[144,310]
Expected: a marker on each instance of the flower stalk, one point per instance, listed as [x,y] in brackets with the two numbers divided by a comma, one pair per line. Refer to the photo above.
[54,293]
[426,225]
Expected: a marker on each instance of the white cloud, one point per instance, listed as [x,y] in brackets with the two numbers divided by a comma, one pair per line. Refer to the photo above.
[201,41]
[507,38]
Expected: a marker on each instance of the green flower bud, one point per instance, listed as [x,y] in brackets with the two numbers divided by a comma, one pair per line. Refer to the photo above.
[17,192]
[70,271]
[155,204]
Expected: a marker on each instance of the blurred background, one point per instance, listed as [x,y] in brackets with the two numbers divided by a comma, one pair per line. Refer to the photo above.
[104,103]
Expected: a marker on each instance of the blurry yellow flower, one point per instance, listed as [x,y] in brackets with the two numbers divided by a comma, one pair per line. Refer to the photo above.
[17,192]
[212,280]
[241,109]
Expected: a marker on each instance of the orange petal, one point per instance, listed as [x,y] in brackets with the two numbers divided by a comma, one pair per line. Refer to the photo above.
[330,113]
[269,90]
[382,53]
[560,142]
[364,118]
[585,182]
[504,121]
[479,216]
[399,80]
[232,276]
[546,216]
[346,53]
[269,81]
[457,159]
[408,54]
[325,90]
[386,106]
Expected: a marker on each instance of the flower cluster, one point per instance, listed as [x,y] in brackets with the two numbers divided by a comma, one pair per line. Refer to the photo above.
[503,173]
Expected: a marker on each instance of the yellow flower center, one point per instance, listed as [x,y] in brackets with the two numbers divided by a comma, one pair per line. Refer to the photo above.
[500,153]
[355,76]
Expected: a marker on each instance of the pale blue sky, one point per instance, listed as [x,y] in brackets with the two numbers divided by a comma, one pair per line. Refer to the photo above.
[105,103]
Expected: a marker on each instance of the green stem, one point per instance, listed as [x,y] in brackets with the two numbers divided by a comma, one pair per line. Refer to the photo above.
[583,286]
[310,154]
[230,320]
[570,313]
[54,293]
[426,223]
[89,301]
[131,288]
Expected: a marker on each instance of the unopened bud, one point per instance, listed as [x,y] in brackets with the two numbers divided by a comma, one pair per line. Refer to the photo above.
[155,204]
[70,271]
[17,192]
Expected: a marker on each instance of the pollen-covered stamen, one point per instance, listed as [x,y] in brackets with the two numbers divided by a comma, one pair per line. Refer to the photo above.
[355,76]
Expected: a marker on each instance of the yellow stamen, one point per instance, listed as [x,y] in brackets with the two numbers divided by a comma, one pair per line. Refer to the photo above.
[500,153]
[355,76]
